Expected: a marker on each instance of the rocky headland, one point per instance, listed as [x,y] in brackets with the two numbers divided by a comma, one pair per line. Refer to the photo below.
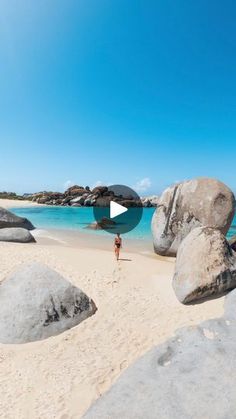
[78,196]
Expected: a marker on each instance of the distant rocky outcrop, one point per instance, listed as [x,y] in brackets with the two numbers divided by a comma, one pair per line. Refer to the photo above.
[16,234]
[36,302]
[77,196]
[100,190]
[8,219]
[189,376]
[76,191]
[190,204]
[100,196]
[150,201]
[205,266]
[104,223]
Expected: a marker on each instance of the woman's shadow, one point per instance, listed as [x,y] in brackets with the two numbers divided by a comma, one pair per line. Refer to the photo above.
[125,260]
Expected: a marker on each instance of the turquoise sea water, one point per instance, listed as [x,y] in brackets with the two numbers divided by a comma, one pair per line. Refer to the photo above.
[78,218]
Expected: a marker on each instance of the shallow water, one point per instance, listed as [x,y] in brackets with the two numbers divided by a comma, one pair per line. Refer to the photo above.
[77,218]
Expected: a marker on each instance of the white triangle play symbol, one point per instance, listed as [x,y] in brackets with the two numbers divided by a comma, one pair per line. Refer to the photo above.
[116,209]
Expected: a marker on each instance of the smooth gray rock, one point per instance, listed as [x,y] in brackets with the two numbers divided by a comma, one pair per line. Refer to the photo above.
[205,266]
[8,219]
[190,204]
[16,234]
[191,376]
[36,302]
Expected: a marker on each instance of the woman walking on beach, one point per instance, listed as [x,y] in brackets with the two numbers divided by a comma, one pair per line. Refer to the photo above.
[117,245]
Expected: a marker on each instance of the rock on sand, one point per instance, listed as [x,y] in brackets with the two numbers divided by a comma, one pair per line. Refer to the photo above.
[205,266]
[190,204]
[192,375]
[8,219]
[36,302]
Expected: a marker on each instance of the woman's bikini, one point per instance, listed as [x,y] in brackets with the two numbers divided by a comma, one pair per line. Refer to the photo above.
[117,243]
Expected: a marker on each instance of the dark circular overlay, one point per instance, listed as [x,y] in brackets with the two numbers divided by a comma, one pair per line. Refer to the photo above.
[123,223]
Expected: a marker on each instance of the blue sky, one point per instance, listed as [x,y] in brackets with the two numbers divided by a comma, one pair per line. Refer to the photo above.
[135,92]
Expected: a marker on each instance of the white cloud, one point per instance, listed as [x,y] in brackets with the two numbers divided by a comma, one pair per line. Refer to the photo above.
[68,184]
[142,185]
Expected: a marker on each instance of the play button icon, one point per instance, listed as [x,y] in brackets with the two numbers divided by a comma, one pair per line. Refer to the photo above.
[118,209]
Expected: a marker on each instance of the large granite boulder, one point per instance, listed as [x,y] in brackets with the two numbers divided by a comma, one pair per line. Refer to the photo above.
[75,190]
[191,375]
[205,266]
[90,200]
[79,199]
[16,234]
[8,219]
[36,302]
[100,190]
[43,200]
[190,204]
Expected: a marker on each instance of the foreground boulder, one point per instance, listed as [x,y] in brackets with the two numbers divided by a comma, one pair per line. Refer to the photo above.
[190,204]
[36,302]
[8,219]
[189,376]
[16,234]
[205,266]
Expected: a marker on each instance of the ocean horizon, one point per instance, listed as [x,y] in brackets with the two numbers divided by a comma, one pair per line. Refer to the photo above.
[78,218]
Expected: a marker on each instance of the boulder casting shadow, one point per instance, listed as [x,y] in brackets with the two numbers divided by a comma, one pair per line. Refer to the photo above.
[37,302]
[205,266]
[8,219]
[192,375]
[16,235]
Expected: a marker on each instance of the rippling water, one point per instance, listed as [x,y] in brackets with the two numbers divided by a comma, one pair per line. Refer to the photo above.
[75,218]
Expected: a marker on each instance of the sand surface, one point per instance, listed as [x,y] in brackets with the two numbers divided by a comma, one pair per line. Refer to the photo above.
[61,376]
[13,203]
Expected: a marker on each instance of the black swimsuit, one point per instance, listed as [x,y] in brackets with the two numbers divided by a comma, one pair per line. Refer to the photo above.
[117,244]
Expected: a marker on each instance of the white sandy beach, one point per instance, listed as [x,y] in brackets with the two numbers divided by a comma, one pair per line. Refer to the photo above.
[60,377]
[10,203]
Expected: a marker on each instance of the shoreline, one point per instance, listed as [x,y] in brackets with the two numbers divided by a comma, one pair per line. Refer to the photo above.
[11,203]
[77,237]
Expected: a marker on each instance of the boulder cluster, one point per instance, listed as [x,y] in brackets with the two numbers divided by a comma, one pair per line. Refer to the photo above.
[14,228]
[77,196]
[191,222]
